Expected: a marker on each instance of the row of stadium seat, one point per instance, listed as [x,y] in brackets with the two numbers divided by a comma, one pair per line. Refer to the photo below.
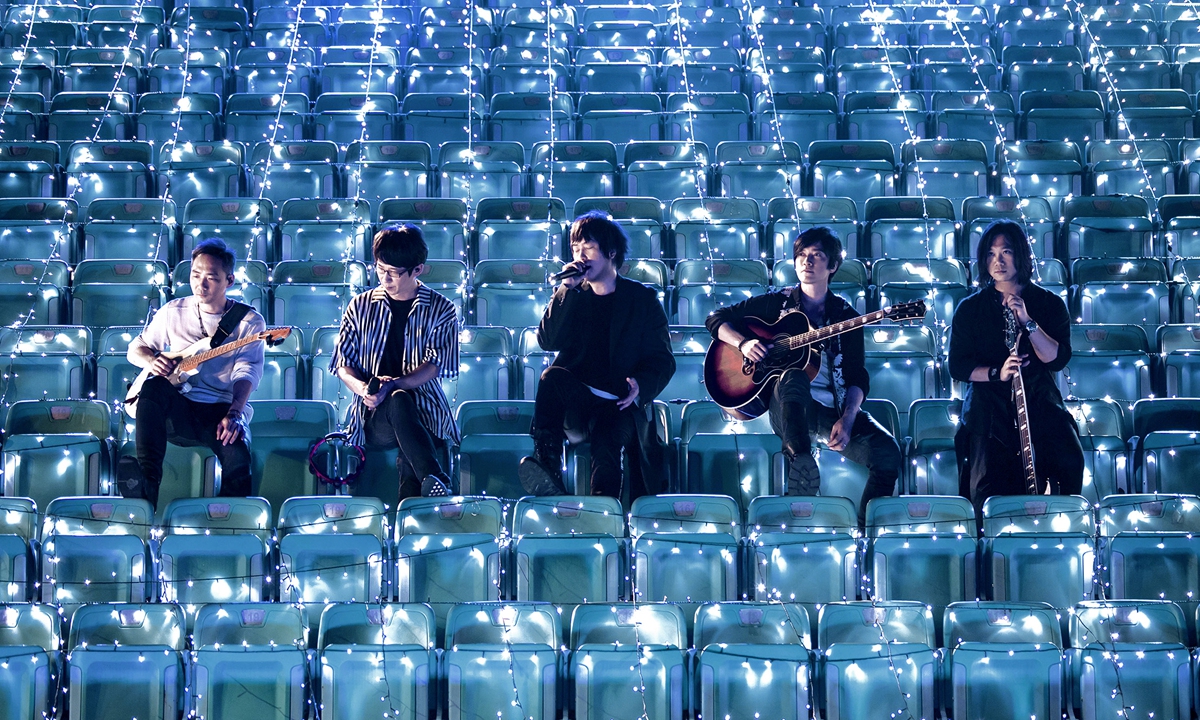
[242,661]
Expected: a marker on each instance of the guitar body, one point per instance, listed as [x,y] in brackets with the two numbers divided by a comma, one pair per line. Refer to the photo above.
[743,389]
[179,377]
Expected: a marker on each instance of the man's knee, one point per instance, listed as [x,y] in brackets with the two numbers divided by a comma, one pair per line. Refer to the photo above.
[156,389]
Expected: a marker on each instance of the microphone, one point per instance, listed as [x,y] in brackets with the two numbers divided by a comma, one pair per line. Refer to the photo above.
[571,272]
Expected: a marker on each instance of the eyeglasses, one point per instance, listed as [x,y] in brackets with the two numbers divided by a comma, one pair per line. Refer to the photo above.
[390,273]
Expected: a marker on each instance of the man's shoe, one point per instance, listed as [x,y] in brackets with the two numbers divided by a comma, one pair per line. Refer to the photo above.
[434,486]
[804,478]
[538,480]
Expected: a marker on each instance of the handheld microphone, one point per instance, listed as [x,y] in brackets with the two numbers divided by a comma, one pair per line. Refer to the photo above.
[568,274]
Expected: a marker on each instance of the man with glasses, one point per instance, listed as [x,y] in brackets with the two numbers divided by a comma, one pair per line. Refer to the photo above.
[395,342]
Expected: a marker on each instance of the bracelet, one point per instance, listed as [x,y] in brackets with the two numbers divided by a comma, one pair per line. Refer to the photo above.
[993,374]
[743,343]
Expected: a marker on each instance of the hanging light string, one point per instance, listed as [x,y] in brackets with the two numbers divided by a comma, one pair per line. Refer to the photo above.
[551,94]
[73,189]
[22,56]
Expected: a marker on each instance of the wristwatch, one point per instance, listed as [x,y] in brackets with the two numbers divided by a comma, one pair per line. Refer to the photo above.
[1031,326]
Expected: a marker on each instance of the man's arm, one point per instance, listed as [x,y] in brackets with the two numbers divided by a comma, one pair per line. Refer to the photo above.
[145,350]
[230,428]
[657,363]
[556,325]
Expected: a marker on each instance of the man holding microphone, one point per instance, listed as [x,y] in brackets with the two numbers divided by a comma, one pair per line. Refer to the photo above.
[614,358]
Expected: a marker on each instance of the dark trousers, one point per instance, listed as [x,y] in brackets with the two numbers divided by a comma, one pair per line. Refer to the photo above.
[165,415]
[994,467]
[797,419]
[565,407]
[395,423]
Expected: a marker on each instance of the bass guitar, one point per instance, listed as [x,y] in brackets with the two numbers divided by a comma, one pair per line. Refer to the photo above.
[1013,336]
[191,357]
[742,387]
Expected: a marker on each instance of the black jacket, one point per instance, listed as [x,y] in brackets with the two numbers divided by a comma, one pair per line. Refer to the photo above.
[845,352]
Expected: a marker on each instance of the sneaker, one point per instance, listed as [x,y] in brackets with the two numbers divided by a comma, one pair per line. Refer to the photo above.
[434,486]
[537,480]
[804,478]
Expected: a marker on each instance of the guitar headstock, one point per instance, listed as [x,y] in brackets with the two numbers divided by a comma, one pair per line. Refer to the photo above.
[274,336]
[914,310]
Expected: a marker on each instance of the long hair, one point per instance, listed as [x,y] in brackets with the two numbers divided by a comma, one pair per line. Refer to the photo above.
[1012,232]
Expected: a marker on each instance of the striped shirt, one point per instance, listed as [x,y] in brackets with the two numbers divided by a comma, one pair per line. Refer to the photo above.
[431,335]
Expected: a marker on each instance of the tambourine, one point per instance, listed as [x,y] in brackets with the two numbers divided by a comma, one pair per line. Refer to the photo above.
[337,479]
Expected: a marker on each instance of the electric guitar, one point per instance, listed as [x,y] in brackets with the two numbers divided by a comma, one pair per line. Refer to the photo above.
[1013,336]
[191,357]
[742,387]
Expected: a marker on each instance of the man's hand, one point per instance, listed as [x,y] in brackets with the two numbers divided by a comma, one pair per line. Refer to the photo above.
[386,385]
[1010,367]
[162,365]
[230,427]
[1017,304]
[631,397]
[573,282]
[839,436]
[755,350]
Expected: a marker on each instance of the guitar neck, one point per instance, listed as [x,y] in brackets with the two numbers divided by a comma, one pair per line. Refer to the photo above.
[812,336]
[191,363]
[1023,430]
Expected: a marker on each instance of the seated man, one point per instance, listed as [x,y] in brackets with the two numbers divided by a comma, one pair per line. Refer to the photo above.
[210,408]
[828,407]
[395,342]
[614,358]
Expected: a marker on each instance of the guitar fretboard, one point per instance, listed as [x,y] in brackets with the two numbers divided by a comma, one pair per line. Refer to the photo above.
[194,361]
[812,336]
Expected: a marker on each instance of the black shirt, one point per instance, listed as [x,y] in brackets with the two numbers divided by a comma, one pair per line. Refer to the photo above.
[597,319]
[392,362]
[978,339]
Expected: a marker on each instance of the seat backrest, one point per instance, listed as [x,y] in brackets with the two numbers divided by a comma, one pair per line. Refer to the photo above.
[669,513]
[249,625]
[1017,514]
[874,623]
[386,624]
[127,624]
[1165,414]
[40,417]
[29,625]
[818,514]
[1001,622]
[507,623]
[19,516]
[568,516]
[491,417]
[1108,338]
[325,515]
[745,623]
[218,516]
[921,515]
[453,515]
[98,515]
[1149,513]
[1127,621]
[628,624]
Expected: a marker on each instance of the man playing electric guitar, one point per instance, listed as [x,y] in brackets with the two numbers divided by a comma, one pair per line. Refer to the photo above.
[210,409]
[827,408]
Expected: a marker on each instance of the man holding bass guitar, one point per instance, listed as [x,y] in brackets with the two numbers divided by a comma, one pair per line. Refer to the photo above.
[1007,310]
[210,408]
[826,407]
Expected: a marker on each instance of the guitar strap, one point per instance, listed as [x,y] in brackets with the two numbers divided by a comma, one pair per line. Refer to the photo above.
[229,321]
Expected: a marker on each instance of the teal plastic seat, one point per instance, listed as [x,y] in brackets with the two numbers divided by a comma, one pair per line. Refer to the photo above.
[388,647]
[902,364]
[132,650]
[519,228]
[438,118]
[716,229]
[108,169]
[46,362]
[1107,466]
[665,170]
[1167,460]
[996,647]
[324,230]
[529,117]
[1013,514]
[317,570]
[501,659]
[607,639]
[932,462]
[473,171]
[250,118]
[243,223]
[707,117]
[378,169]
[615,116]
[864,646]
[689,514]
[98,515]
[578,169]
[42,434]
[1108,361]
[130,230]
[512,294]
[1030,562]
[788,217]
[753,656]
[857,170]
[495,436]
[79,569]
[727,457]
[282,434]
[249,661]
[759,170]
[30,646]
[444,570]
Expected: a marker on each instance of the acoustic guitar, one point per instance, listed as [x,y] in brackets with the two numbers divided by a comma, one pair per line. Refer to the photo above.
[742,387]
[191,357]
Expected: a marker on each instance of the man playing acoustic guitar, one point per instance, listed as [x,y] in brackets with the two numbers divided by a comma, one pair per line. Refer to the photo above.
[210,409]
[828,407]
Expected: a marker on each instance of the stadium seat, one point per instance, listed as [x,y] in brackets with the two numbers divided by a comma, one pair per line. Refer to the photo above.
[311,293]
[607,639]
[1040,167]
[447,570]
[94,550]
[708,117]
[989,117]
[1108,361]
[194,169]
[502,655]
[750,655]
[1107,465]
[1062,115]
[441,118]
[530,70]
[1147,168]
[30,169]
[342,70]
[271,118]
[89,117]
[57,449]
[1178,345]
[721,456]
[666,170]
[716,229]
[495,436]
[442,221]
[388,645]
[955,169]
[901,361]
[324,230]
[788,217]
[485,367]
[619,117]
[200,70]
[283,432]
[243,223]
[282,168]
[354,117]
[1050,66]
[519,228]
[132,651]
[18,535]
[1146,113]
[512,294]
[46,362]
[703,285]
[910,227]
[30,644]
[1115,227]
[98,170]
[857,170]
[530,118]
[473,171]
[130,230]
[932,463]
[573,170]
[249,661]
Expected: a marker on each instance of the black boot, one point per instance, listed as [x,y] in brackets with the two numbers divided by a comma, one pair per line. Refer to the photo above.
[541,473]
[803,476]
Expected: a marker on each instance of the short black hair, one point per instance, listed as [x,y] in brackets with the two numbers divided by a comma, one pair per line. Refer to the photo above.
[401,246]
[216,247]
[1011,231]
[604,231]
[823,237]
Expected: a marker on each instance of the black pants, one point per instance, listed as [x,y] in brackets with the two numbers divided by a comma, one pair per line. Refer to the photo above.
[165,415]
[797,419]
[994,466]
[395,423]
[564,407]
